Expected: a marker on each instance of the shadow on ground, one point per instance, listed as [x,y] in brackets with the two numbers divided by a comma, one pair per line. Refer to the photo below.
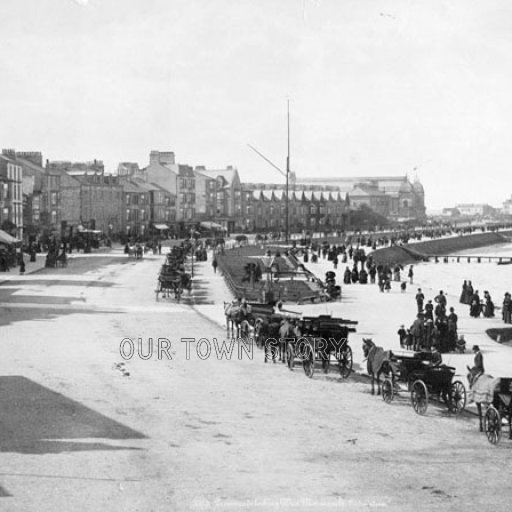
[4,493]
[37,420]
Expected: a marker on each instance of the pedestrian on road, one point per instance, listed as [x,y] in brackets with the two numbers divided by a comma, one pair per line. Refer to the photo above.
[22,264]
[411,274]
[214,265]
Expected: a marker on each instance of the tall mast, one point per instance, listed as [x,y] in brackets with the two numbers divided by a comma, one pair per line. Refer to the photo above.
[287,177]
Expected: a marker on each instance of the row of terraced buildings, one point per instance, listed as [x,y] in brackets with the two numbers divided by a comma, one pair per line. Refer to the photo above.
[167,197]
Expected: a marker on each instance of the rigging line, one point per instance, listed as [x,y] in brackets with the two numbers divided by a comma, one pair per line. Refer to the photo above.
[267,160]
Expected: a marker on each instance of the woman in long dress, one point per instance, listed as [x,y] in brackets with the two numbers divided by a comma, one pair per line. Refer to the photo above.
[475,307]
[469,293]
[462,299]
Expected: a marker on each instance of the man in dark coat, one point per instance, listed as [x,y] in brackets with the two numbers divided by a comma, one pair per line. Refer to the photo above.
[452,329]
[419,300]
[441,299]
[478,366]
[429,310]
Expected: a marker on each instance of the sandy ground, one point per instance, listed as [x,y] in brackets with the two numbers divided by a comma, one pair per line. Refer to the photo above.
[80,431]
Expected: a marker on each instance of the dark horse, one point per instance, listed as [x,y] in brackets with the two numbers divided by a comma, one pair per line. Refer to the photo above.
[378,361]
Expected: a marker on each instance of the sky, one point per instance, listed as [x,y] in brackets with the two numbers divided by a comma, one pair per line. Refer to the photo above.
[376,87]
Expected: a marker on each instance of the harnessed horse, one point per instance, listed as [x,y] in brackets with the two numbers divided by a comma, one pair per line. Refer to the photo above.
[378,361]
[235,315]
[482,388]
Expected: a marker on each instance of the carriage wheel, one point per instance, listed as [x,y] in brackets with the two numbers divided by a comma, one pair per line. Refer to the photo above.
[419,397]
[308,363]
[492,422]
[345,362]
[387,390]
[290,357]
[457,401]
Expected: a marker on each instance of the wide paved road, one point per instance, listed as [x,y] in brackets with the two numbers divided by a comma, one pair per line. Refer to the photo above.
[80,432]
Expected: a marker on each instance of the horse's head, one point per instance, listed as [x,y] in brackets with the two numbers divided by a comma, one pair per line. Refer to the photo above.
[367,345]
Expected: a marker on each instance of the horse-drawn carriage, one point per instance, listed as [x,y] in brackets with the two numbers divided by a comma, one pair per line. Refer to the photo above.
[424,380]
[496,394]
[499,410]
[172,281]
[322,337]
[173,278]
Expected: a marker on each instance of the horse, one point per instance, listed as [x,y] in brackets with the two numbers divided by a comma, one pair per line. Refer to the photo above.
[261,331]
[482,387]
[235,315]
[285,332]
[378,361]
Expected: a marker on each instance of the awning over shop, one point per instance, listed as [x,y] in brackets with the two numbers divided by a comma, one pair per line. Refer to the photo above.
[5,238]
[213,225]
[161,226]
[81,229]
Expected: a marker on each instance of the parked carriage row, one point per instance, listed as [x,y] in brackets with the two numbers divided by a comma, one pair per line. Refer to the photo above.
[324,338]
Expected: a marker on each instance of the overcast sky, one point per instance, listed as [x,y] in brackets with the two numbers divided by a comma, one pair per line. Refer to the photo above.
[376,87]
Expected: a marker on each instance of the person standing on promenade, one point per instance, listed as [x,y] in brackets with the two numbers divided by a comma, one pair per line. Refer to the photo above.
[402,334]
[417,331]
[463,295]
[429,310]
[441,299]
[489,305]
[507,308]
[452,329]
[419,300]
[411,274]
[475,307]
[373,273]
[469,293]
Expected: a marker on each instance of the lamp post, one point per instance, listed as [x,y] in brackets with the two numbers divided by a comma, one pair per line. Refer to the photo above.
[192,241]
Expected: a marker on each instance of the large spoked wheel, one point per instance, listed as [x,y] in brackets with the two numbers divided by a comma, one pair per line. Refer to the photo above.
[290,359]
[308,362]
[457,397]
[387,390]
[419,397]
[492,422]
[345,362]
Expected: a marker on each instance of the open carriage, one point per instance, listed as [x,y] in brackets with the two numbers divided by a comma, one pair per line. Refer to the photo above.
[172,282]
[499,412]
[417,375]
[322,337]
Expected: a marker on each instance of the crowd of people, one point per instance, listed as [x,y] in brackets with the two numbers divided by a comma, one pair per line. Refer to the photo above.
[435,326]
[484,306]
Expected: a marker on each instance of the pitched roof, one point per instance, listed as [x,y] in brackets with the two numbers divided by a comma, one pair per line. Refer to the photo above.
[228,174]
